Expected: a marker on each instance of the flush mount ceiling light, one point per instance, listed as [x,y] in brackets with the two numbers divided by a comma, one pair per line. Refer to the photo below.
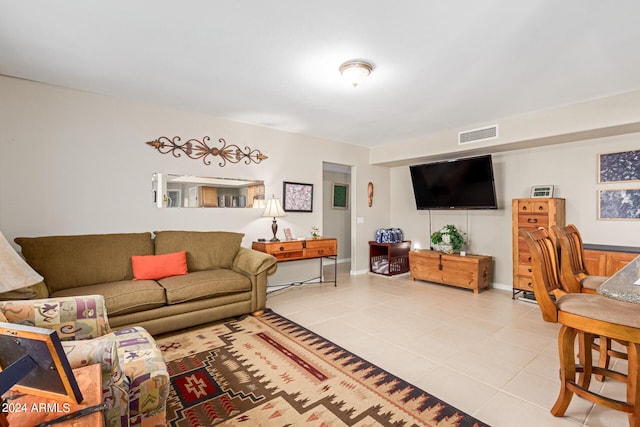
[356,71]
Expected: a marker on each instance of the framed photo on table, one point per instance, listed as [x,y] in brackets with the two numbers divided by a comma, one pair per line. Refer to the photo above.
[298,197]
[287,234]
[42,363]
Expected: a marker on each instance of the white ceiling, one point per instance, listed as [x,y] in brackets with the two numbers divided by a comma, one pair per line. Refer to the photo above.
[438,64]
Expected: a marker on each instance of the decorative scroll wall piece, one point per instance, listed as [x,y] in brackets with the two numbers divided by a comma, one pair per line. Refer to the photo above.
[620,166]
[619,204]
[196,149]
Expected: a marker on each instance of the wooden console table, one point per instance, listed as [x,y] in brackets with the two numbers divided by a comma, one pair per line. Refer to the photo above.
[470,271]
[29,410]
[293,250]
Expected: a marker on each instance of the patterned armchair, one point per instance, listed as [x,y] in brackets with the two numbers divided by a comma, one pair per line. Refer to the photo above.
[134,375]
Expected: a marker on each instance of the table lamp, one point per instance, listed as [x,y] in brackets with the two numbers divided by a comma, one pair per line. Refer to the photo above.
[274,209]
[15,273]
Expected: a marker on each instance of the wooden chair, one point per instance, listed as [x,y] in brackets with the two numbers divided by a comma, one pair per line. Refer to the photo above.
[575,278]
[584,315]
[573,273]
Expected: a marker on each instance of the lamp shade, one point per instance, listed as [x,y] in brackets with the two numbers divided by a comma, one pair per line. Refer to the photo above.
[274,208]
[15,273]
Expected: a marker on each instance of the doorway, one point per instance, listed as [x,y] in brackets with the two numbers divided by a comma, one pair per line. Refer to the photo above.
[336,218]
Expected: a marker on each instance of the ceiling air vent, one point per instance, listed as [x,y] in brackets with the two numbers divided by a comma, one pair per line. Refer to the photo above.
[476,135]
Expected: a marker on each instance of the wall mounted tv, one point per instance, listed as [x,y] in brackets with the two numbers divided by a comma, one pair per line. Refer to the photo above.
[455,184]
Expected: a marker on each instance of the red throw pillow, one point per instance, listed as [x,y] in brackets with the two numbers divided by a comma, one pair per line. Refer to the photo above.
[154,267]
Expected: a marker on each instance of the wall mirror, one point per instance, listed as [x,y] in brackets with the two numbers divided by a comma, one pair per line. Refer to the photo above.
[185,191]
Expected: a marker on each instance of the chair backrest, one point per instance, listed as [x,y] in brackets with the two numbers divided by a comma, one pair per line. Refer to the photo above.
[544,262]
[572,268]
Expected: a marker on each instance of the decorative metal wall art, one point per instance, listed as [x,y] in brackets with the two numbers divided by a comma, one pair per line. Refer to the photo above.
[196,149]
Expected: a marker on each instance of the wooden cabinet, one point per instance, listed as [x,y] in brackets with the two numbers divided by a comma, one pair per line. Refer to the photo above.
[299,249]
[207,196]
[531,214]
[228,197]
[606,263]
[389,258]
[469,272]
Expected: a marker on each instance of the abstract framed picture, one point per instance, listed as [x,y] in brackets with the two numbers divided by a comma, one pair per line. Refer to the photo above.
[619,166]
[298,197]
[340,196]
[619,204]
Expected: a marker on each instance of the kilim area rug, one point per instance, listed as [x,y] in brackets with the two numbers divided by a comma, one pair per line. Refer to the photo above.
[270,371]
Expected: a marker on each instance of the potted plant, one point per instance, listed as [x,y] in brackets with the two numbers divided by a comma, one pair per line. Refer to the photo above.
[449,239]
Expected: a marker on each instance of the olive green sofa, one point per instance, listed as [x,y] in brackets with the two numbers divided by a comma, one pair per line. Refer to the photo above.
[223,280]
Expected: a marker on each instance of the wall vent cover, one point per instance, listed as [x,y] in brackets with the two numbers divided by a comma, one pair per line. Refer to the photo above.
[475,135]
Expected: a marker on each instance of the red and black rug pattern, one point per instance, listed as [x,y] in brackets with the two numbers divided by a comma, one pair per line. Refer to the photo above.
[270,371]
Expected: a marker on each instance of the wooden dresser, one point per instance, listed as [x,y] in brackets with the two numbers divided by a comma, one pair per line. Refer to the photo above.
[470,271]
[531,214]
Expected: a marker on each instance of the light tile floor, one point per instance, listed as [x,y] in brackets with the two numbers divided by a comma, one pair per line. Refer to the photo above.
[487,354]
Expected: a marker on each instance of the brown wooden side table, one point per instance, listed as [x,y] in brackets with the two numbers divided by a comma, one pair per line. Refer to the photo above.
[28,410]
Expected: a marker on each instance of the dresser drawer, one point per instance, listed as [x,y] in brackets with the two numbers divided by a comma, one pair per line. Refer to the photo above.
[539,207]
[524,283]
[321,247]
[320,251]
[532,221]
[285,255]
[525,270]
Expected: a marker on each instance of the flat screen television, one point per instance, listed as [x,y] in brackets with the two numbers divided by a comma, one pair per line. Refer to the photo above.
[455,184]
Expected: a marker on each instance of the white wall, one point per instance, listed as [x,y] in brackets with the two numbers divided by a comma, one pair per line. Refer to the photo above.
[571,167]
[74,162]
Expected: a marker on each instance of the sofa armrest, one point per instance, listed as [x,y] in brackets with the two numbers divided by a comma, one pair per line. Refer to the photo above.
[102,350]
[257,266]
[251,262]
[145,371]
[74,318]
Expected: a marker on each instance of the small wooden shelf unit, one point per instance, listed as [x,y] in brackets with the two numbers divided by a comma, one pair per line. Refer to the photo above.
[469,272]
[389,259]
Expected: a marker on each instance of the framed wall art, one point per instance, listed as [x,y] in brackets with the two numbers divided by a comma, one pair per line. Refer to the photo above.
[340,196]
[298,197]
[619,204]
[619,166]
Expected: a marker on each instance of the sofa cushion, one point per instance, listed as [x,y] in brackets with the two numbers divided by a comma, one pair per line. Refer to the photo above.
[72,261]
[123,297]
[204,284]
[206,250]
[154,267]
